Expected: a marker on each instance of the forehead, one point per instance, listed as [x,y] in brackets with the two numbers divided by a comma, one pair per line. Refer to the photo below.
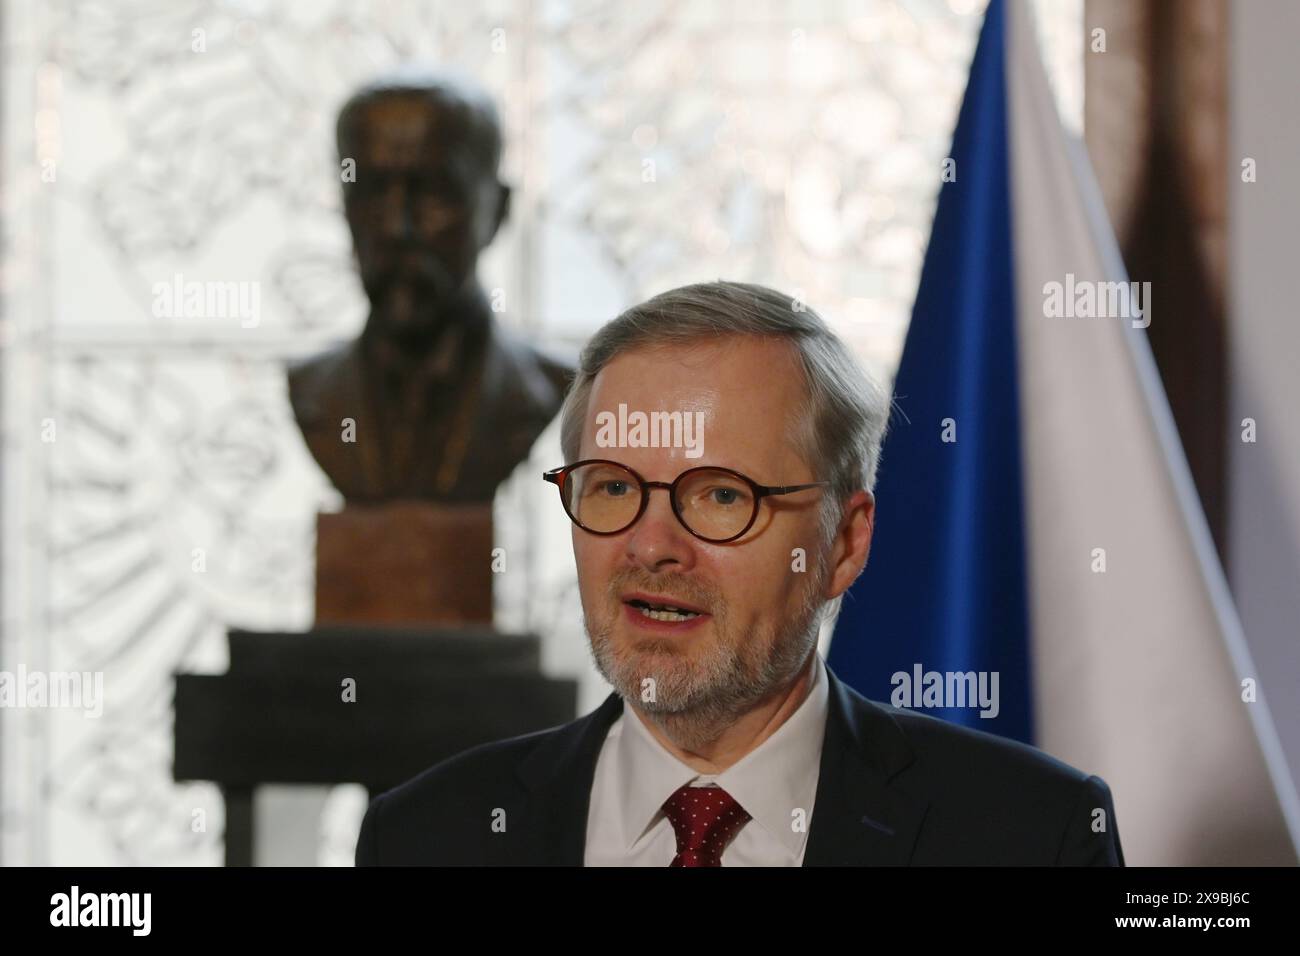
[744,391]
[411,130]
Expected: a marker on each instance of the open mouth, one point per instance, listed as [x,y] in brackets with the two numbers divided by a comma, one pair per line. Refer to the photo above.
[667,613]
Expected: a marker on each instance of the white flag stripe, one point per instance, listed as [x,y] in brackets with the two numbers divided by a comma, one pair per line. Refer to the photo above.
[1213,575]
[1136,669]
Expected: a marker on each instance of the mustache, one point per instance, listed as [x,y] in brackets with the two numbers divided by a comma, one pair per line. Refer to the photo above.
[685,589]
[399,267]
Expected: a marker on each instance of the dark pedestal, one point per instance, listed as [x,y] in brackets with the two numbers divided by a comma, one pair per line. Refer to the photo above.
[422,695]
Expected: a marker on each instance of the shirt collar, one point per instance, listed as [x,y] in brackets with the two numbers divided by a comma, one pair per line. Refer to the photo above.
[770,781]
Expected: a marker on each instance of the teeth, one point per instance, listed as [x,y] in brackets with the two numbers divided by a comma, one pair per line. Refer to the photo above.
[667,615]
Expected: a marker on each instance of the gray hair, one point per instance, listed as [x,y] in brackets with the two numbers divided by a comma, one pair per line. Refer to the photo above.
[840,423]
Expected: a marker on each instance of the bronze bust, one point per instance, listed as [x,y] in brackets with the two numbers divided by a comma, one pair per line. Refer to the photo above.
[434,400]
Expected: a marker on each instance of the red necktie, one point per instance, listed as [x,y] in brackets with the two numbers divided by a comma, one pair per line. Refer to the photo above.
[705,819]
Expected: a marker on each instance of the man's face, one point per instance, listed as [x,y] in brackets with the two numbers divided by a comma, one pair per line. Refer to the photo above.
[760,615]
[422,208]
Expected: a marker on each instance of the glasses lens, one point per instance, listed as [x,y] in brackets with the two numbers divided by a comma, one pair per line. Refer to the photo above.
[715,504]
[602,497]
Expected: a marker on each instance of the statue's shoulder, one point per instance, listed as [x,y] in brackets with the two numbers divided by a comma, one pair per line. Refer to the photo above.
[323,365]
[558,366]
[315,379]
[543,371]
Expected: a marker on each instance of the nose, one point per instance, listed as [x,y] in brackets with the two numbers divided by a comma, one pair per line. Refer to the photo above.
[658,541]
[397,213]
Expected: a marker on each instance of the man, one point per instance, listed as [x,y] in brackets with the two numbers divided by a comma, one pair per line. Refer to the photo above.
[704,581]
[443,402]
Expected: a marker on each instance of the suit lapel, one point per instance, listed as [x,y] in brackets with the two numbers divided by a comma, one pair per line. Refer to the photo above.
[516,402]
[342,395]
[858,819]
[559,776]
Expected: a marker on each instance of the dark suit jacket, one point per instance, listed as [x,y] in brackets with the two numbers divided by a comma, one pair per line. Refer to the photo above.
[896,788]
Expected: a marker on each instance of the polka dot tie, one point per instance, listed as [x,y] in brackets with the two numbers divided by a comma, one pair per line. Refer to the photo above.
[705,819]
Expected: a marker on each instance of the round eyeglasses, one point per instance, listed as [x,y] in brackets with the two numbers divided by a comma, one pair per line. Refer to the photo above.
[714,504]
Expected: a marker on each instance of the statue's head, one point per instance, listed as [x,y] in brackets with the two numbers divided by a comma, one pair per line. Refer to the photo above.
[426,199]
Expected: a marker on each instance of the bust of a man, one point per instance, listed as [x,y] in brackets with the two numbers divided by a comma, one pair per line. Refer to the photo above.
[434,400]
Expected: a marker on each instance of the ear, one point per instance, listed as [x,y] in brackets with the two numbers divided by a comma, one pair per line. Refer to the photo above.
[852,544]
[503,206]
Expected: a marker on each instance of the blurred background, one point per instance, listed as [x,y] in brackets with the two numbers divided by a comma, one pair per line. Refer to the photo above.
[144,140]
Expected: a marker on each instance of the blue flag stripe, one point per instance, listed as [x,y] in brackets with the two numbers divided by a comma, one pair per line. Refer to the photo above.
[945,589]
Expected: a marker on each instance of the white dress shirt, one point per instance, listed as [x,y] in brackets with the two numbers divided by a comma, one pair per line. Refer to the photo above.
[626,825]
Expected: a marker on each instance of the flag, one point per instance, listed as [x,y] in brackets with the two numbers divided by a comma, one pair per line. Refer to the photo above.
[1041,568]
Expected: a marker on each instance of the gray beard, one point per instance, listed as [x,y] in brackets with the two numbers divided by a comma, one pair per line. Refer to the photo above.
[695,702]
